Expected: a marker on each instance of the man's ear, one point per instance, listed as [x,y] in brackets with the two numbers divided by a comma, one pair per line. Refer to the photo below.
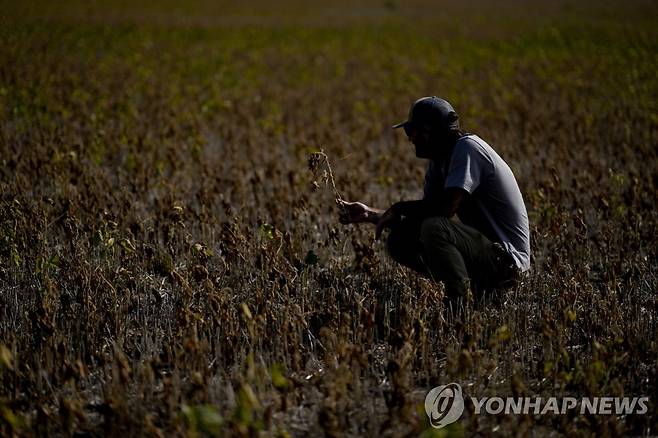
[428,133]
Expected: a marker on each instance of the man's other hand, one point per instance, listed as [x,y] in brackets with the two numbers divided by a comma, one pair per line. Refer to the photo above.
[386,220]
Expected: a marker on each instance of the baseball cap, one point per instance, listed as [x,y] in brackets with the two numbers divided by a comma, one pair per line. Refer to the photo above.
[431,111]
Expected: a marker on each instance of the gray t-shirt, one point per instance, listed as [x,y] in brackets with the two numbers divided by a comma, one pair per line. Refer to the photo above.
[497,209]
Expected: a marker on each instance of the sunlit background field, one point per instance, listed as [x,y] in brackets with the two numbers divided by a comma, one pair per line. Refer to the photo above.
[167,266]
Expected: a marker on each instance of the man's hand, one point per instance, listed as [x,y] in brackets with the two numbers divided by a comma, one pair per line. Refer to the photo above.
[356,212]
[386,220]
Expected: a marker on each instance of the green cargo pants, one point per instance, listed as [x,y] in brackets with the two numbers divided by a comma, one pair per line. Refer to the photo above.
[456,254]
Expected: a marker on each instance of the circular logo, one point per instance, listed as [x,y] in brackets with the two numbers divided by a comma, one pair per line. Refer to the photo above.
[444,405]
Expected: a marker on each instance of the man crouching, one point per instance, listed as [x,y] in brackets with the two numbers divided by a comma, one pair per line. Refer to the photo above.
[489,246]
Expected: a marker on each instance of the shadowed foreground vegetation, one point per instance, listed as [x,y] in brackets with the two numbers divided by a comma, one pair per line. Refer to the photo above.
[167,268]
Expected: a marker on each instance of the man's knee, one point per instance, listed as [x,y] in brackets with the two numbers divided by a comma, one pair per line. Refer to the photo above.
[393,244]
[402,244]
[398,245]
[435,230]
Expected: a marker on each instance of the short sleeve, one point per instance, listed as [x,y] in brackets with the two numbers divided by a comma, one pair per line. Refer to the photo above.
[469,165]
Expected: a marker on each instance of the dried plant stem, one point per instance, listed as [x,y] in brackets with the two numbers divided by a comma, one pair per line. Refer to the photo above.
[316,160]
[331,176]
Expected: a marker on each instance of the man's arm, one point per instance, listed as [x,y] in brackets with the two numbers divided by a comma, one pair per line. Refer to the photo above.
[447,206]
[357,212]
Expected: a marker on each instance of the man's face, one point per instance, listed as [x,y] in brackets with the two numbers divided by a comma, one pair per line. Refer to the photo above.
[421,139]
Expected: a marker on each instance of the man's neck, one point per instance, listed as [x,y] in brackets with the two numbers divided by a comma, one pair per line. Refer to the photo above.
[444,152]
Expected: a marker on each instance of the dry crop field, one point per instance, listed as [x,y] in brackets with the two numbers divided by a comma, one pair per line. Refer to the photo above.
[170,266]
